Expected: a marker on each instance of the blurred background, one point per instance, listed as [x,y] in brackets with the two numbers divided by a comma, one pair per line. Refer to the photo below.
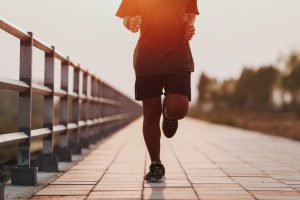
[247,58]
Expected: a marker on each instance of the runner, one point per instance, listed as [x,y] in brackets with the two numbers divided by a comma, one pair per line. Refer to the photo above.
[162,61]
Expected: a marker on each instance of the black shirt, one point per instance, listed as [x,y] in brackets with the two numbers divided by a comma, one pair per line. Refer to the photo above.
[161,48]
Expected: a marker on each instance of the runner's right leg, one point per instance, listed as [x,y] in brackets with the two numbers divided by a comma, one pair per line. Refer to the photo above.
[152,111]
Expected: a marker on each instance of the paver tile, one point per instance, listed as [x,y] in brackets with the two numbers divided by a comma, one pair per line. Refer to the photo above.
[96,167]
[168,183]
[119,186]
[269,189]
[276,195]
[230,192]
[295,177]
[97,195]
[174,175]
[84,171]
[169,193]
[58,198]
[289,181]
[206,179]
[281,193]
[254,179]
[69,187]
[62,192]
[260,174]
[263,185]
[79,177]
[74,183]
[226,197]
[218,187]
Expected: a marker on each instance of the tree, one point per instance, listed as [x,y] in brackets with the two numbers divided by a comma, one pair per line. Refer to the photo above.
[244,88]
[207,91]
[205,88]
[254,88]
[291,78]
[226,94]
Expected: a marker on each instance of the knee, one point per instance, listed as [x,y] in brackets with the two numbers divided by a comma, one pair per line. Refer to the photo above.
[177,109]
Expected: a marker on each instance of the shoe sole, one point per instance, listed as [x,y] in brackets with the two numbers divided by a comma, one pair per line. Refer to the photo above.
[157,180]
[165,132]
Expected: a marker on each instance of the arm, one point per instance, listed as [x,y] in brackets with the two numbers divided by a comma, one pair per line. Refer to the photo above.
[191,11]
[190,19]
[129,11]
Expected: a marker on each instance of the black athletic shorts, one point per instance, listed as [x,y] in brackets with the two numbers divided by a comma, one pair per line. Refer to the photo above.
[152,86]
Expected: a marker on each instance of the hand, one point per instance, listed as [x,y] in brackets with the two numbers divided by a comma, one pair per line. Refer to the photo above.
[133,23]
[189,32]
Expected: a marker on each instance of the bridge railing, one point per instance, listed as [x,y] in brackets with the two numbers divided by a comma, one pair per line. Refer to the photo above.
[88,111]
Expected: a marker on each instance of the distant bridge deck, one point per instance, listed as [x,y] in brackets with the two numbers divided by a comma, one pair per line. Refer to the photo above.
[203,161]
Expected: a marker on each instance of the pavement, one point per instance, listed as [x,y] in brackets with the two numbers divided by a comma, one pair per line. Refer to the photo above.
[203,161]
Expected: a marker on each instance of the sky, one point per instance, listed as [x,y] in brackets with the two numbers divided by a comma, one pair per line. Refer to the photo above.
[230,35]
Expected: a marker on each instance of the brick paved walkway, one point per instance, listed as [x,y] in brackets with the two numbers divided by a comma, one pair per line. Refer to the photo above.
[203,161]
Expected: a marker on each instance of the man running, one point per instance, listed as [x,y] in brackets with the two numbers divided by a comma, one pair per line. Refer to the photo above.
[162,61]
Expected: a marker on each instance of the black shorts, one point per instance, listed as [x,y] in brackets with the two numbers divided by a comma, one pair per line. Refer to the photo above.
[152,86]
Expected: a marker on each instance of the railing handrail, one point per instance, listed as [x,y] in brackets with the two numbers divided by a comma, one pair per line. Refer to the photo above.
[23,35]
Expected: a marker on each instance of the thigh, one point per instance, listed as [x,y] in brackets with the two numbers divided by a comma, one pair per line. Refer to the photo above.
[178,83]
[147,87]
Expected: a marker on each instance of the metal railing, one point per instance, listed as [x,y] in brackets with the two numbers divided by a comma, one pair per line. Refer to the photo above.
[96,108]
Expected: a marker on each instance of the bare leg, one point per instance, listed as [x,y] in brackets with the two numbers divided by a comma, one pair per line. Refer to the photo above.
[151,129]
[176,106]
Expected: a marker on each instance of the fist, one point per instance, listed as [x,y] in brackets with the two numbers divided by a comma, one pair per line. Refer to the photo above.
[133,23]
[189,32]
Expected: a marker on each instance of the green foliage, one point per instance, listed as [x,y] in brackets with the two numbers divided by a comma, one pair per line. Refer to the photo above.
[253,90]
[255,87]
[206,88]
[226,96]
[291,79]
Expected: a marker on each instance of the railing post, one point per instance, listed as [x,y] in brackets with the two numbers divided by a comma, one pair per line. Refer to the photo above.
[92,109]
[48,161]
[104,109]
[63,151]
[110,110]
[76,148]
[23,173]
[2,187]
[99,108]
[84,136]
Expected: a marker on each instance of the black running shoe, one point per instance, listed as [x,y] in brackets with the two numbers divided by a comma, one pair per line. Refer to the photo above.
[156,173]
[169,125]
